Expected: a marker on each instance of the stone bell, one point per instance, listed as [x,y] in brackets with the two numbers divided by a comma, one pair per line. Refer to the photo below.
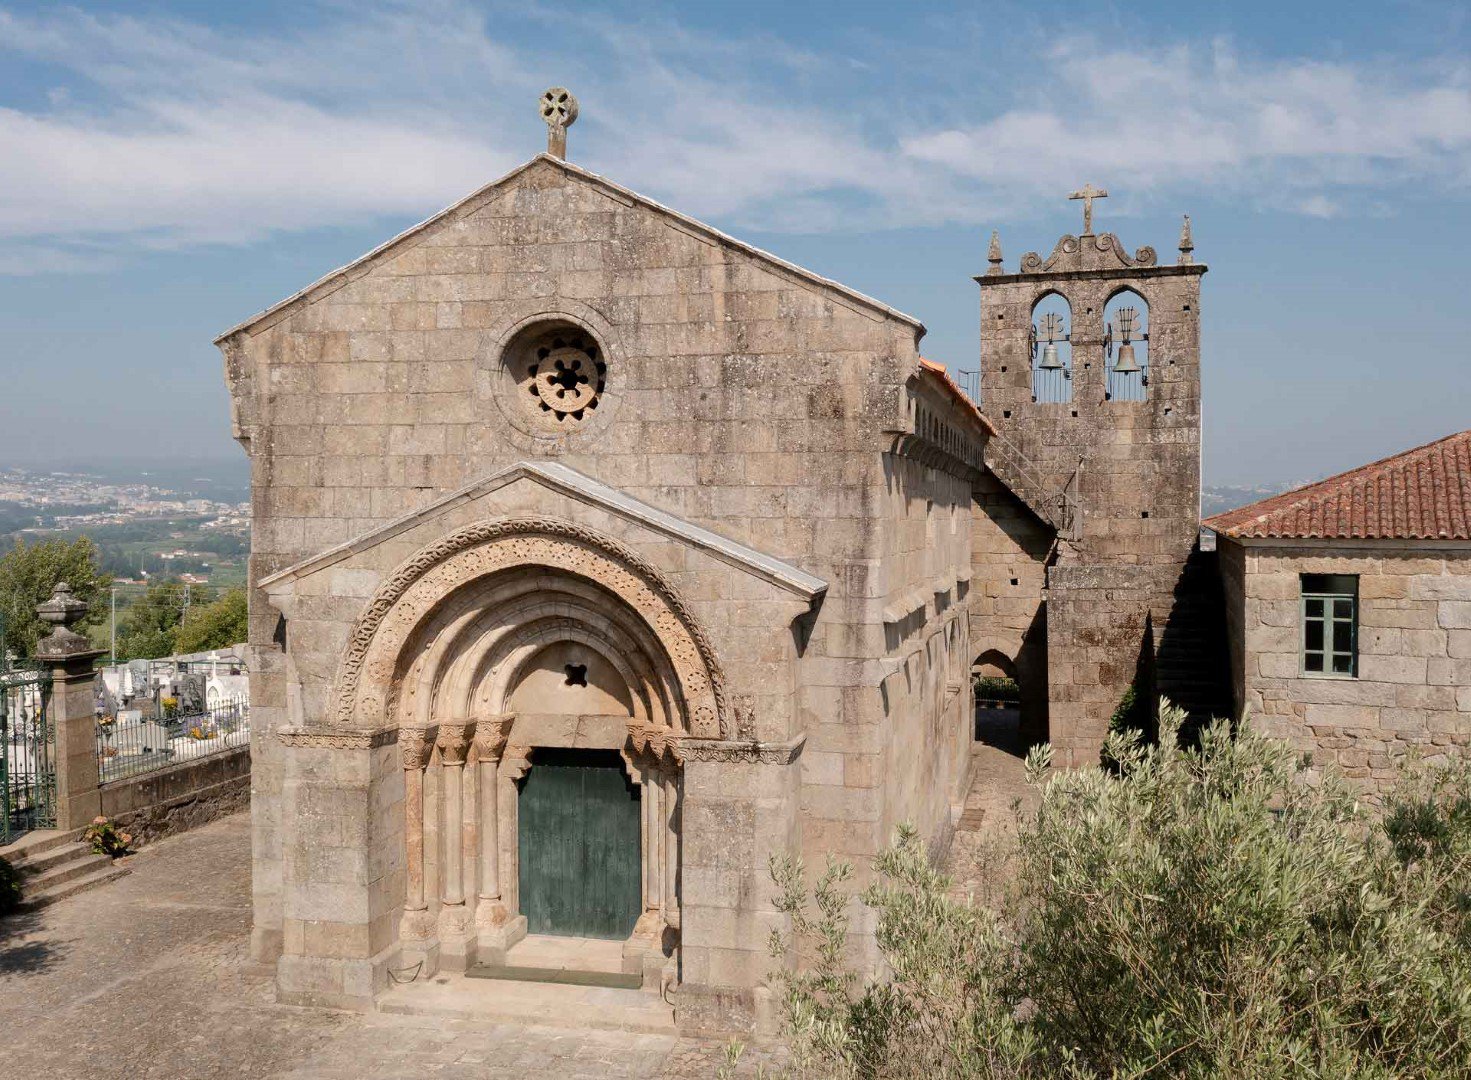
[1049,361]
[1127,365]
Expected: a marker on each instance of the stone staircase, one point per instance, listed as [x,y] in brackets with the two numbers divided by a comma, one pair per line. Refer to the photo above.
[54,865]
[1191,662]
[1014,469]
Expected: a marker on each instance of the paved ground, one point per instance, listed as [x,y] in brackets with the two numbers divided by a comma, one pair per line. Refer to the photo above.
[148,979]
[988,823]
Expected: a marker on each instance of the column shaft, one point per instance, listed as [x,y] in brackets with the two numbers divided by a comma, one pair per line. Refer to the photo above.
[454,839]
[490,841]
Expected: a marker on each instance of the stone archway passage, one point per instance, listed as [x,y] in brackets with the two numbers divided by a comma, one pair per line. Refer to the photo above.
[579,834]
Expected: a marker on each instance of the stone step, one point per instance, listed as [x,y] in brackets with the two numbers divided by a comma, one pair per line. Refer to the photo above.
[36,864]
[34,843]
[454,996]
[77,864]
[93,876]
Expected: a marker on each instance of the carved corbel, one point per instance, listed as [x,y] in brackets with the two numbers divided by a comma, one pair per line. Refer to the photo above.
[516,762]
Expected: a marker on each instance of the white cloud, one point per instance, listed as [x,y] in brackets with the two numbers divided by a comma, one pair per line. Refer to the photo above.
[170,133]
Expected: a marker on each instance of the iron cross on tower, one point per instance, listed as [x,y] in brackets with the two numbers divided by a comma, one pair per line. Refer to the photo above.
[1088,194]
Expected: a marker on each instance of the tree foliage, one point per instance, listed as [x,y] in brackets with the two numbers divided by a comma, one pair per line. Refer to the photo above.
[29,573]
[1208,912]
[146,630]
[213,626]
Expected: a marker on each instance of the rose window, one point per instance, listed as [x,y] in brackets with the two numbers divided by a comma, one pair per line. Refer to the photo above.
[566,375]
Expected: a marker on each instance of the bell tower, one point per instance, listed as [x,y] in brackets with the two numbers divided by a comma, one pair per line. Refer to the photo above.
[1090,370]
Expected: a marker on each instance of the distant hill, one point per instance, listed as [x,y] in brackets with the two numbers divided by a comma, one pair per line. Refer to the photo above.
[1219,499]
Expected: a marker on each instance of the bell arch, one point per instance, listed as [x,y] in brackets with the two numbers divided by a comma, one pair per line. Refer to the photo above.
[1050,343]
[1126,345]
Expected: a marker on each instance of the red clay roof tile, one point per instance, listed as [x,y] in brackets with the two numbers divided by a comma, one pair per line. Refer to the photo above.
[1421,494]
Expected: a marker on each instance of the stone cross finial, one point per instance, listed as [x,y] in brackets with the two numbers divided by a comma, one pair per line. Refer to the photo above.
[559,110]
[1088,193]
[1187,243]
[993,253]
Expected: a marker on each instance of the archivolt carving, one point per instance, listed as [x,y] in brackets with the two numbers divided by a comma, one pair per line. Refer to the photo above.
[370,661]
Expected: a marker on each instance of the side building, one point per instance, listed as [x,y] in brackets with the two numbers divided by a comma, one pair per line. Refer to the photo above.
[1348,604]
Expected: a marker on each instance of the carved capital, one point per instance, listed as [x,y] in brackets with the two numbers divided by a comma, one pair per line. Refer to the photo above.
[662,745]
[454,742]
[491,733]
[415,744]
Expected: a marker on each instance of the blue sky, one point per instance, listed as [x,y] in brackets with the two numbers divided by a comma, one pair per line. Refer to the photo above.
[166,169]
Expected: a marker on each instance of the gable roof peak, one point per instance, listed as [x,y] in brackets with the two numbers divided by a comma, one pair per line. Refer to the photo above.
[472,202]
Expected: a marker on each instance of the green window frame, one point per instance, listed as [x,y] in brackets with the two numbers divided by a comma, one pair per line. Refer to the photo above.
[1330,625]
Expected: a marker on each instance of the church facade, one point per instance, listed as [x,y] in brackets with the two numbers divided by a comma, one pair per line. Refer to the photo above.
[599,557]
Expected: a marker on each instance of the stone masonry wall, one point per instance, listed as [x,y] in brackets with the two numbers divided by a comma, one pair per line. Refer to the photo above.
[1009,551]
[1413,689]
[1096,645]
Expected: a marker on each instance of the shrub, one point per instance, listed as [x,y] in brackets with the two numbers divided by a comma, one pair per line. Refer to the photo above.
[1203,912]
[10,889]
[106,838]
[992,688]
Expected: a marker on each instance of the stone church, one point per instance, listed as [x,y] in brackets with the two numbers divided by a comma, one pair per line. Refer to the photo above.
[599,556]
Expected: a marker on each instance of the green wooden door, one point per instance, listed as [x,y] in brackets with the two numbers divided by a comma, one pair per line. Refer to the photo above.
[579,837]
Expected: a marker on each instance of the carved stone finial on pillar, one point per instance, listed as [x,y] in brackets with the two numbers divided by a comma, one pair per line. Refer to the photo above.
[993,254]
[1088,193]
[62,611]
[559,110]
[1187,243]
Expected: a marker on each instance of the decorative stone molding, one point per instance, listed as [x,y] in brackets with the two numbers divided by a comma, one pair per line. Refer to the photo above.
[337,739]
[783,753]
[1100,252]
[489,547]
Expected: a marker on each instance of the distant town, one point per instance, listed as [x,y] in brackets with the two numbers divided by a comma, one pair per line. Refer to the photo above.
[181,522]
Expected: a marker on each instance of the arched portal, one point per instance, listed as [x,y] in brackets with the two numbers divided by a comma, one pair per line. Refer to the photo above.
[514,639]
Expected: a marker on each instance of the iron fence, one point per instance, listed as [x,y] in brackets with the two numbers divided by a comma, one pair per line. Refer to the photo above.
[27,751]
[130,743]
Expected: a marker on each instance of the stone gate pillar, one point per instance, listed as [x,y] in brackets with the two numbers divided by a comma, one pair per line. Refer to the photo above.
[71,706]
